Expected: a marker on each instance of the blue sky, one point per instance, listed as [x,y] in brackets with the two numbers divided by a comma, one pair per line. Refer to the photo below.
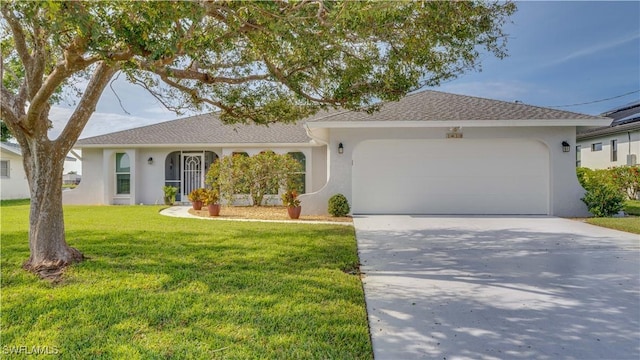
[563,53]
[560,53]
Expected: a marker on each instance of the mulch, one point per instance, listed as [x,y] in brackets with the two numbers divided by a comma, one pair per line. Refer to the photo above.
[264,213]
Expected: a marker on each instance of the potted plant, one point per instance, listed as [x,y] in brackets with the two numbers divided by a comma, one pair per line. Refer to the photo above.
[291,201]
[211,198]
[170,193]
[196,196]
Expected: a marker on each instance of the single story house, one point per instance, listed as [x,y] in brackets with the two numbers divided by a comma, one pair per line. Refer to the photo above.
[615,145]
[429,153]
[13,179]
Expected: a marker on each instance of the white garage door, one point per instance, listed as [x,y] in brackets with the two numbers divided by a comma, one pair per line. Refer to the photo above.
[451,176]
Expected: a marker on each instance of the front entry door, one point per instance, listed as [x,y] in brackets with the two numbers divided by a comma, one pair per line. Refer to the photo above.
[193,173]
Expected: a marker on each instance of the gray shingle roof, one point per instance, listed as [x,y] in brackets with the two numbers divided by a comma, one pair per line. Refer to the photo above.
[421,106]
[202,129]
[625,118]
[602,131]
[14,148]
[431,105]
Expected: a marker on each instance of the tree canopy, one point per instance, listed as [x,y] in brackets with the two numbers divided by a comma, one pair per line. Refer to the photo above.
[257,62]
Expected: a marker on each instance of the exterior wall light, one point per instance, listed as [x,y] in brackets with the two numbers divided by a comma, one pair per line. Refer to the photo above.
[566,147]
[150,161]
[340,148]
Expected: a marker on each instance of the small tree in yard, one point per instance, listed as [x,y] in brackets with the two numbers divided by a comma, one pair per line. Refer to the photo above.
[255,176]
[255,62]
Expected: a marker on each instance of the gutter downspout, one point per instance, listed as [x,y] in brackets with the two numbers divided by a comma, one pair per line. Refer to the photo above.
[322,142]
[313,137]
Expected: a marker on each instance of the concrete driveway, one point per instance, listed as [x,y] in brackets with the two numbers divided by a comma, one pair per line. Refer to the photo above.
[445,287]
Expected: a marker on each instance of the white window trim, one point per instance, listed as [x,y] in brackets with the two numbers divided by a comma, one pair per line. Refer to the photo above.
[119,195]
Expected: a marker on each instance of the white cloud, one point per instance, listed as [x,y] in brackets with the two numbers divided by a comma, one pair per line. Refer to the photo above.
[100,122]
[593,49]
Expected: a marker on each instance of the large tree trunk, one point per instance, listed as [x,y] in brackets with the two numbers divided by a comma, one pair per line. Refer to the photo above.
[50,253]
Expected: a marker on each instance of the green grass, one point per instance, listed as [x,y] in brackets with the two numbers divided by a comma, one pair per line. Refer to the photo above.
[629,224]
[160,287]
[15,202]
[632,207]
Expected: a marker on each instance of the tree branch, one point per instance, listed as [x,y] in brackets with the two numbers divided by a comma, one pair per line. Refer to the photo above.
[282,78]
[201,76]
[87,105]
[8,108]
[19,39]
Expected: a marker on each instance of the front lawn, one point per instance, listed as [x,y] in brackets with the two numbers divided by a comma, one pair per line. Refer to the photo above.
[629,224]
[160,287]
[632,207]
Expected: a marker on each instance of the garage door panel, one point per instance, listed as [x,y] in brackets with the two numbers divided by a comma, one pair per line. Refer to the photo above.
[451,177]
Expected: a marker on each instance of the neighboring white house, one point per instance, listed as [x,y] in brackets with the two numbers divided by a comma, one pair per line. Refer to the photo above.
[429,153]
[13,180]
[614,145]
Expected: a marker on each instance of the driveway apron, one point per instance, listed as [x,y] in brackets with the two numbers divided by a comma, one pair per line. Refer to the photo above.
[480,287]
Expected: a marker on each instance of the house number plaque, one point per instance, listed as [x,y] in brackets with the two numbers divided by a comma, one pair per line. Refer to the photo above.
[454,133]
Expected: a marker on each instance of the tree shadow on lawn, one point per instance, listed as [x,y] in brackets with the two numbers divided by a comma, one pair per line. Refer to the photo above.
[151,294]
[502,294]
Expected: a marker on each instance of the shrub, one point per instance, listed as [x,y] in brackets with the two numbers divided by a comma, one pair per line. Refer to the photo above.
[170,193]
[607,189]
[290,198]
[627,179]
[197,195]
[338,205]
[211,197]
[604,200]
[254,176]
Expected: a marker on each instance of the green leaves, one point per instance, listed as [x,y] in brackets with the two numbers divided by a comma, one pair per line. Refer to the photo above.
[264,62]
[256,176]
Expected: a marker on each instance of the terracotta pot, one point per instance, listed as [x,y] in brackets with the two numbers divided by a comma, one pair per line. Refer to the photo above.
[197,205]
[294,211]
[214,209]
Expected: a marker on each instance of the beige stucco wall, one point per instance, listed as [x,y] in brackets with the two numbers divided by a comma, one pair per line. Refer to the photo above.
[147,180]
[564,194]
[91,188]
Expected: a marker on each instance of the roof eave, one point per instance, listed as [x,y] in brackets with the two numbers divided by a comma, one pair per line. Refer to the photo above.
[461,123]
[12,150]
[191,146]
[607,132]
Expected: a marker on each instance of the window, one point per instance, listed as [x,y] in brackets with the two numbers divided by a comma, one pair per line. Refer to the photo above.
[123,174]
[578,156]
[4,168]
[302,175]
[614,150]
[596,147]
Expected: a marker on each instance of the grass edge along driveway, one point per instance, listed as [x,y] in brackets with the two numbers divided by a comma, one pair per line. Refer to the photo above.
[160,287]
